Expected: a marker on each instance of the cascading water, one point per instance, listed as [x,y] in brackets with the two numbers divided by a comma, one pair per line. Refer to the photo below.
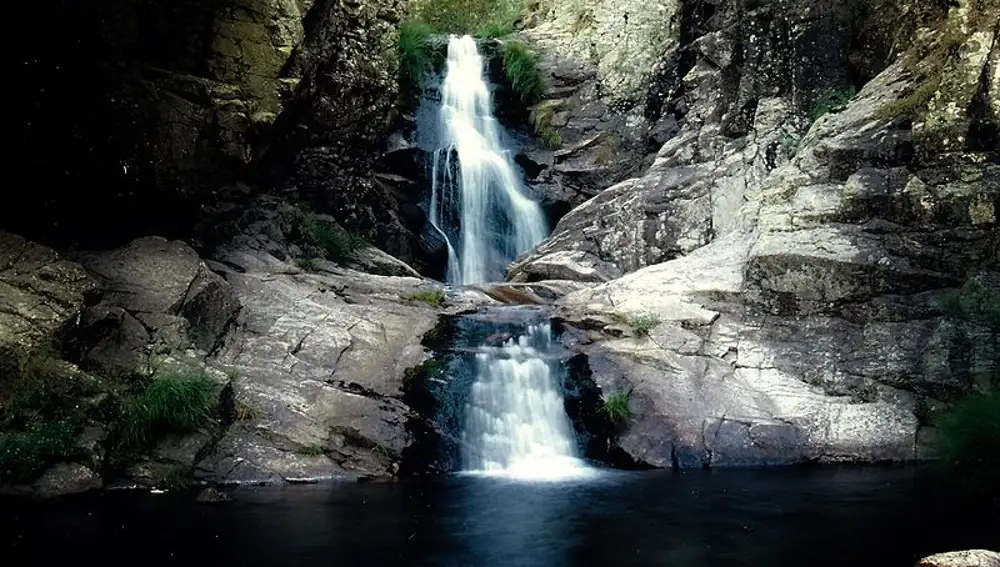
[515,421]
[477,201]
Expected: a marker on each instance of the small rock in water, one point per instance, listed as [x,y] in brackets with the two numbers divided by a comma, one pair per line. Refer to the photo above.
[969,558]
[212,495]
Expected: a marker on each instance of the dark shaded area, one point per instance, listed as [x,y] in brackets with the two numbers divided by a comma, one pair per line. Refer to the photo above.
[824,517]
[83,114]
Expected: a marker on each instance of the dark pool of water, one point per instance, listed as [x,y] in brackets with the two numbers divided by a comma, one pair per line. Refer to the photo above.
[780,517]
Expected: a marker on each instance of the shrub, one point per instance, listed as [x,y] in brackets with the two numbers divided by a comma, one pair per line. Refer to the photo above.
[29,449]
[616,409]
[540,117]
[40,417]
[433,297]
[520,66]
[482,18]
[969,437]
[833,100]
[175,403]
[417,57]
[644,323]
[323,238]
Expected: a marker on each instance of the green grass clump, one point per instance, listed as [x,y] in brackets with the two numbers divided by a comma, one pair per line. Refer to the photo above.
[541,116]
[520,66]
[307,264]
[434,297]
[643,323]
[40,417]
[418,56]
[324,239]
[29,449]
[175,403]
[833,100]
[969,437]
[616,409]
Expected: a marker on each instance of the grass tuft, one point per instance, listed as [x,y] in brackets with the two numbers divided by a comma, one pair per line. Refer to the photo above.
[643,323]
[520,66]
[616,409]
[325,239]
[481,18]
[434,297]
[175,403]
[833,100]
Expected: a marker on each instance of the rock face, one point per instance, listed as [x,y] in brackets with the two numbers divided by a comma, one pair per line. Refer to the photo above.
[159,297]
[796,252]
[319,361]
[970,558]
[158,106]
[41,295]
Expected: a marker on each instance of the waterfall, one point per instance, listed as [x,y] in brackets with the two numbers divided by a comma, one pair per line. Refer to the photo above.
[477,201]
[515,421]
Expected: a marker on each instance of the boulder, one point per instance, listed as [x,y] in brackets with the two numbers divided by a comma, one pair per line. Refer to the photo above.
[318,361]
[64,479]
[159,296]
[41,295]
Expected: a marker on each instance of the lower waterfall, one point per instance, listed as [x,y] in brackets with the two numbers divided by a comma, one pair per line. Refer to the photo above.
[516,424]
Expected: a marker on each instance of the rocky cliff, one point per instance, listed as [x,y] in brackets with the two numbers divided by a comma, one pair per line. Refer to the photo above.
[795,239]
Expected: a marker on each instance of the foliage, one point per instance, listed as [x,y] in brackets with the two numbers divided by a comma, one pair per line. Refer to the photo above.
[616,409]
[540,117]
[481,18]
[29,449]
[178,479]
[643,323]
[307,264]
[434,297]
[418,56]
[833,100]
[323,238]
[173,403]
[913,103]
[520,66]
[969,437]
[38,428]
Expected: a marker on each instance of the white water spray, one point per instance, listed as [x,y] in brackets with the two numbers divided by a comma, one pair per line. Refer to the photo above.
[516,424]
[484,198]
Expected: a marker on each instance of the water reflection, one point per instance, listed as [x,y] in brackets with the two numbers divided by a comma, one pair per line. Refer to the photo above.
[835,517]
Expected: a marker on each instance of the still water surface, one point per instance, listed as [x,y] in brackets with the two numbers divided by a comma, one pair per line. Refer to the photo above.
[764,518]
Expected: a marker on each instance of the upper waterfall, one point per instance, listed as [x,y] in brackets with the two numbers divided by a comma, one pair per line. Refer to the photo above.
[478,203]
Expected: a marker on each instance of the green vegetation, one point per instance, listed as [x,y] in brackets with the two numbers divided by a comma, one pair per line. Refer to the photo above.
[969,438]
[47,403]
[37,427]
[418,56]
[616,409]
[311,450]
[914,103]
[540,117]
[321,238]
[307,264]
[480,18]
[178,479]
[172,403]
[833,100]
[435,297]
[520,66]
[643,323]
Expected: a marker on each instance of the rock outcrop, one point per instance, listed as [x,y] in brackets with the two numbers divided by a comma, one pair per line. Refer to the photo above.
[796,252]
[970,558]
[318,361]
[160,107]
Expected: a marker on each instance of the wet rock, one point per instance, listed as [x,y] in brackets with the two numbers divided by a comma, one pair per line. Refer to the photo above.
[970,558]
[64,479]
[211,495]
